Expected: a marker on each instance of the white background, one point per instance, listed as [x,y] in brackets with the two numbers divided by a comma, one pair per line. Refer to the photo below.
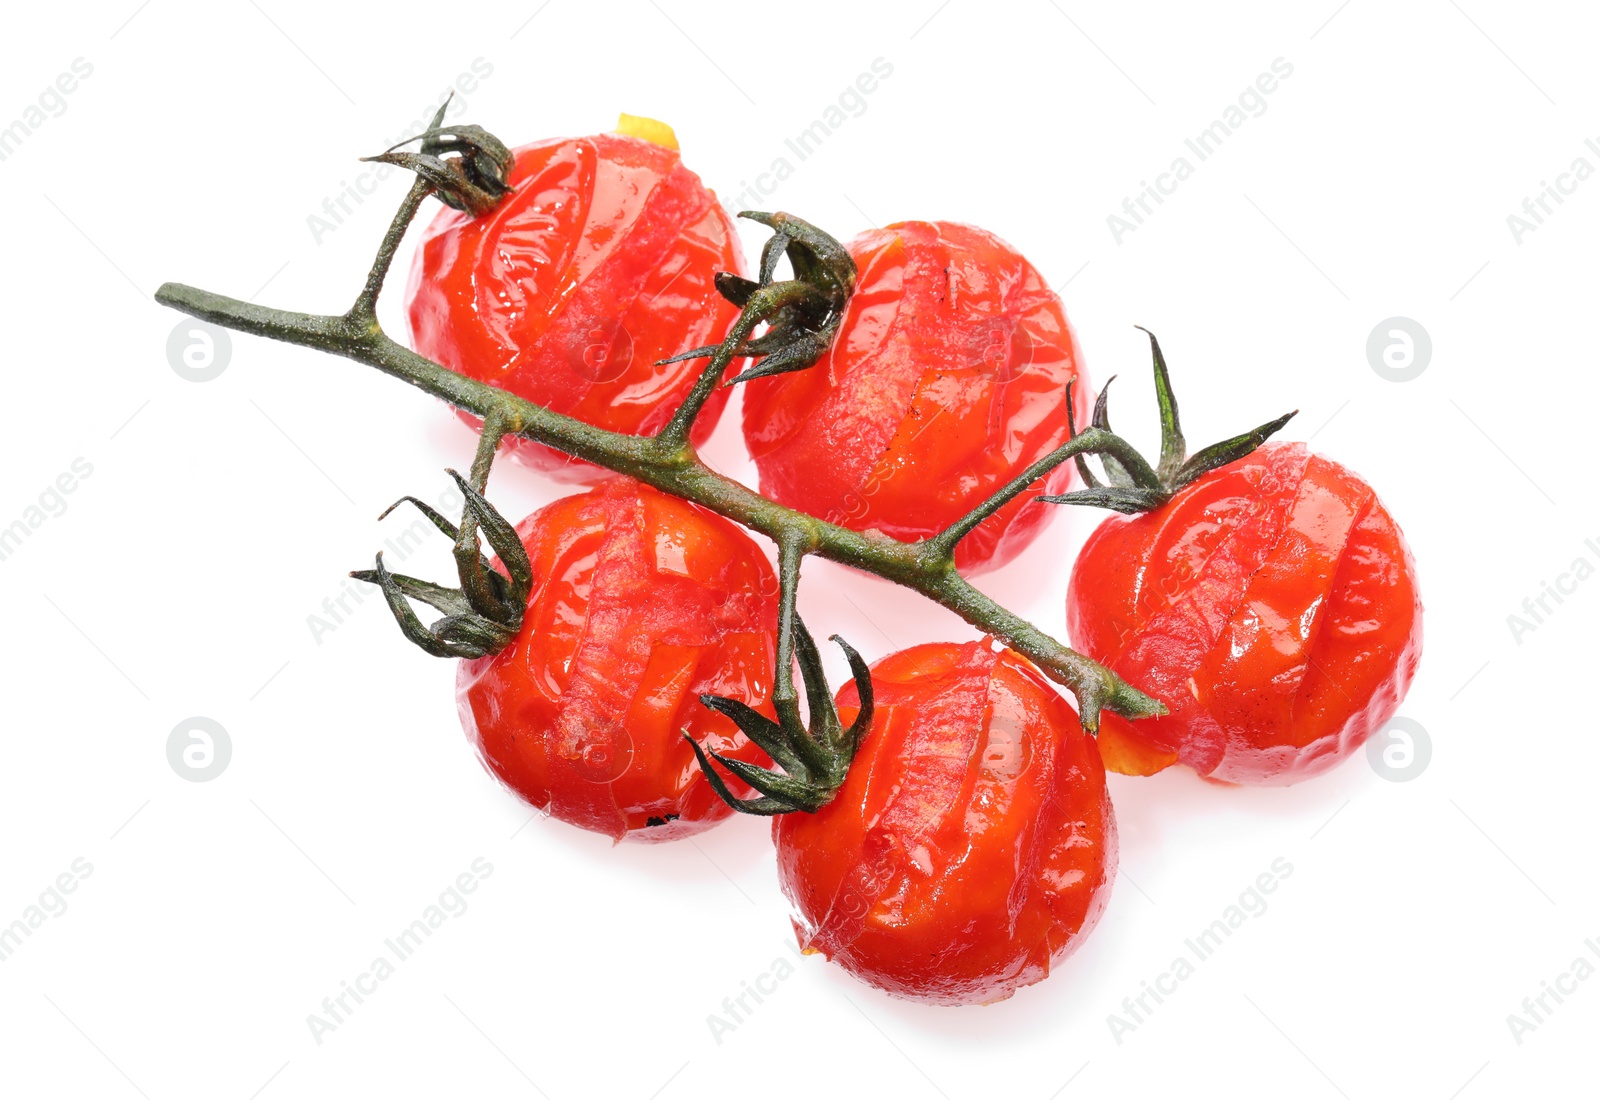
[219,516]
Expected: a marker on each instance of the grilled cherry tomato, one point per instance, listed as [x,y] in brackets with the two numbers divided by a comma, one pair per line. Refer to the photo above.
[1272,605]
[640,603]
[972,845]
[600,262]
[946,380]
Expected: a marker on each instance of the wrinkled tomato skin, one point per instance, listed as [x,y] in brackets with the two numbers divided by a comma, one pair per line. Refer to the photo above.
[946,380]
[640,602]
[567,293]
[1272,606]
[972,845]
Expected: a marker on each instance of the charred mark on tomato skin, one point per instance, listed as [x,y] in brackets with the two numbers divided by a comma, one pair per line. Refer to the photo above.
[652,822]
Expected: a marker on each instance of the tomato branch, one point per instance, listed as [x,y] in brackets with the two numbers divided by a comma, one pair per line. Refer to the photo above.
[801,320]
[1088,441]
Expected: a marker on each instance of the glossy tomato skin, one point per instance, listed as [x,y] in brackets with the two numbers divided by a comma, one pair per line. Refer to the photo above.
[640,603]
[1272,605]
[946,380]
[972,846]
[567,293]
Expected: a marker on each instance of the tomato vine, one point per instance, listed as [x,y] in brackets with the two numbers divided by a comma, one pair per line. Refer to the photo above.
[800,315]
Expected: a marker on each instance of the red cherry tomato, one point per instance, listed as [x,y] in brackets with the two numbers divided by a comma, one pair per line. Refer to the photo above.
[600,263]
[972,845]
[946,380]
[1272,606]
[640,603]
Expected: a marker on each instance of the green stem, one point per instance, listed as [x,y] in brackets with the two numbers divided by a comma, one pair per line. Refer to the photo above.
[1088,441]
[366,305]
[1096,687]
[668,462]
[469,559]
[765,302]
[791,549]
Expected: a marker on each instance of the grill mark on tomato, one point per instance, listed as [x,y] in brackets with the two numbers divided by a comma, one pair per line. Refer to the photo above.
[1073,763]
[601,291]
[665,233]
[1175,516]
[616,588]
[957,824]
[785,403]
[571,170]
[1017,303]
[1322,621]
[896,820]
[1027,888]
[1298,555]
[1270,525]
[693,238]
[1360,723]
[1324,511]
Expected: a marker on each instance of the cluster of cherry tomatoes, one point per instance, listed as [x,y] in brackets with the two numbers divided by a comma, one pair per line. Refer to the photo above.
[1269,602]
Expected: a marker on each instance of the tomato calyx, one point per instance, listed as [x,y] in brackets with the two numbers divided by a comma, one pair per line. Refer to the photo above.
[815,761]
[802,314]
[467,166]
[1132,485]
[485,613]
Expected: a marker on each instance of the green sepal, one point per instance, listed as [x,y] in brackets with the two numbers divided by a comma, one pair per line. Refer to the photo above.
[1229,450]
[781,788]
[1127,501]
[1172,445]
[850,739]
[767,734]
[1081,461]
[802,315]
[450,601]
[815,760]
[1116,473]
[485,613]
[760,807]
[439,640]
[486,587]
[798,352]
[736,288]
[468,166]
[1134,485]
